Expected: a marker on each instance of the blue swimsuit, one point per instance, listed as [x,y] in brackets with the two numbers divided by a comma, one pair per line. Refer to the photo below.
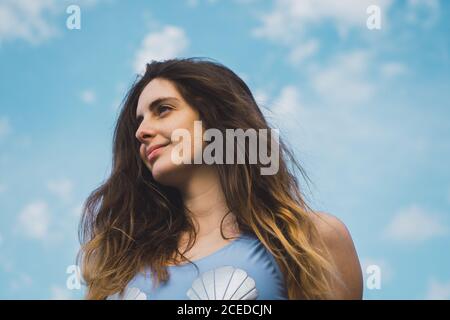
[241,270]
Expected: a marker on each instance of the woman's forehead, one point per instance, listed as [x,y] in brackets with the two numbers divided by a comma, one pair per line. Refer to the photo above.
[154,90]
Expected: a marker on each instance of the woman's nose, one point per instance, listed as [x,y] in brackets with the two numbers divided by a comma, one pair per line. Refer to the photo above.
[144,132]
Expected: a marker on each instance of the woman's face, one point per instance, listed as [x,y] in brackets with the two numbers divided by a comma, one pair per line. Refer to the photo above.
[160,111]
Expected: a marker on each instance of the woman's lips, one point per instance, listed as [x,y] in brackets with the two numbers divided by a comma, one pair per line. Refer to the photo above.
[155,152]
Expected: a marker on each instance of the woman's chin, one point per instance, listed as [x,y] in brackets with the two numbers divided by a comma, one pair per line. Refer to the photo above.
[163,172]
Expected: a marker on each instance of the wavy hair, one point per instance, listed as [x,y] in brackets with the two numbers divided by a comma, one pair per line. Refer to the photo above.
[131,222]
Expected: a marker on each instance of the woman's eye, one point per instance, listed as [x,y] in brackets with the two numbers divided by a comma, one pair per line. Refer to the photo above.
[162,109]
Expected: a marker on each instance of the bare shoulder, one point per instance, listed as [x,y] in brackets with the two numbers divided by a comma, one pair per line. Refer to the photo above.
[339,242]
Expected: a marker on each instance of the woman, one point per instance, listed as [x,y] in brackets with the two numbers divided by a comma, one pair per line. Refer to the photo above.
[165,229]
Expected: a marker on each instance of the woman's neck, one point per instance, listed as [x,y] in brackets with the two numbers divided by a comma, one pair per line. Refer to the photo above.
[204,198]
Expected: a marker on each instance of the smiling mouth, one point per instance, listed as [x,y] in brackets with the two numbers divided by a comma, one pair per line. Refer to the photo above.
[151,156]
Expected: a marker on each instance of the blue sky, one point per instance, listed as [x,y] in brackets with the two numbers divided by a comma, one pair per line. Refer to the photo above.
[366,112]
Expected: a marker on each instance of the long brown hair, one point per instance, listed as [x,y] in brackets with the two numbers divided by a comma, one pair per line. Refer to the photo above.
[131,221]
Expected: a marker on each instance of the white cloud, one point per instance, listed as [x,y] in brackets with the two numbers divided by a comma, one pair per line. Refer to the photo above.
[22,281]
[294,24]
[168,43]
[192,3]
[393,69]
[61,188]
[287,103]
[261,97]
[320,126]
[303,51]
[285,110]
[77,210]
[5,127]
[438,290]
[325,127]
[3,187]
[34,21]
[26,19]
[344,81]
[290,19]
[195,3]
[327,136]
[34,220]
[424,13]
[60,293]
[88,96]
[414,224]
[1,240]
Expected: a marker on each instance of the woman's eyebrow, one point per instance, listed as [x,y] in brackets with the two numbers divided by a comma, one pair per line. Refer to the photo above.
[158,101]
